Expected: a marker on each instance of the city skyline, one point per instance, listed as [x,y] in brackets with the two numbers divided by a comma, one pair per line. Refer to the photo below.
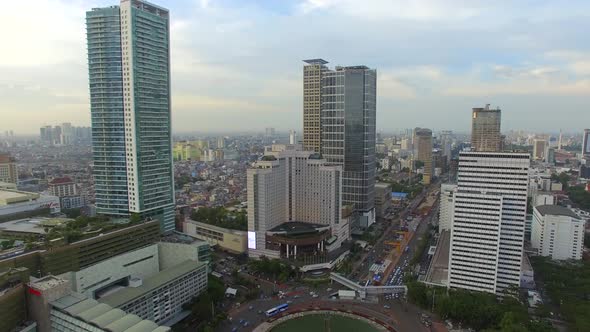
[431,72]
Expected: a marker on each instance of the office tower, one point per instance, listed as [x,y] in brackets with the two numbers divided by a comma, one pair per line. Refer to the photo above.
[586,143]
[488,225]
[446,141]
[220,142]
[348,114]
[557,232]
[292,137]
[445,220]
[312,103]
[294,190]
[423,147]
[8,170]
[559,141]
[539,149]
[129,72]
[66,134]
[485,129]
[46,133]
[56,135]
[269,132]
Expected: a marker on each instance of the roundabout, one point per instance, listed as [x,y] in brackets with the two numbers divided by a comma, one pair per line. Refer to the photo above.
[323,319]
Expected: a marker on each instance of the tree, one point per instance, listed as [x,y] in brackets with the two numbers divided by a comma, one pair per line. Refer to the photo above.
[134,218]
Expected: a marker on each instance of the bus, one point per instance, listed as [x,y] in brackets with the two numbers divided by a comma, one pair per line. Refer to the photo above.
[280,308]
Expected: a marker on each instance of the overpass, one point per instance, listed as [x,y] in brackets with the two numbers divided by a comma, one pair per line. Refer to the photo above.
[367,290]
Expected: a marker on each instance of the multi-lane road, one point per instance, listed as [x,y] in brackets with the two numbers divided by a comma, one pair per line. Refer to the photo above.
[361,269]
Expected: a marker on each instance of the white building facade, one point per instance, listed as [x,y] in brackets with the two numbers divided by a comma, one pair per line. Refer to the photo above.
[293,185]
[557,232]
[487,232]
[445,218]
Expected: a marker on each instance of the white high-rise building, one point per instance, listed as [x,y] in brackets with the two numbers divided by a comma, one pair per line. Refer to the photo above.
[488,225]
[294,187]
[292,137]
[445,219]
[557,232]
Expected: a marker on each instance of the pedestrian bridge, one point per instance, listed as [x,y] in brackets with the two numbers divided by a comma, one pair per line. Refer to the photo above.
[367,290]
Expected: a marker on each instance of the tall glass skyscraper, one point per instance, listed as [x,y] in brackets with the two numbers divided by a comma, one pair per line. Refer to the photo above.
[348,114]
[129,76]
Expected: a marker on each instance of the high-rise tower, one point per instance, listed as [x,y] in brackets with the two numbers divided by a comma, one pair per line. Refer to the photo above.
[487,232]
[485,129]
[423,146]
[586,143]
[348,114]
[129,73]
[312,103]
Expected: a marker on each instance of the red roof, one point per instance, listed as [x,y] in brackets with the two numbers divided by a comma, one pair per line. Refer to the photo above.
[63,180]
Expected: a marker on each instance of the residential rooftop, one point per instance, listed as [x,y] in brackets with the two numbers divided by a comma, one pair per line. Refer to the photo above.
[104,316]
[127,294]
[556,210]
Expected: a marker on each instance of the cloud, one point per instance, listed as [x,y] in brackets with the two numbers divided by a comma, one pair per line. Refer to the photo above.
[237,64]
[418,9]
[43,32]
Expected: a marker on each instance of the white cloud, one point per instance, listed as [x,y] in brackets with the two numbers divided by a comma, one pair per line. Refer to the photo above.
[42,32]
[417,9]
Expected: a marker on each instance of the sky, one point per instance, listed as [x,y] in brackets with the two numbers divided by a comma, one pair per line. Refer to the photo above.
[236,65]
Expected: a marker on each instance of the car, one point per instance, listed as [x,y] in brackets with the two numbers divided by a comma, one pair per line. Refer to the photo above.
[315,296]
[250,307]
[234,329]
[241,321]
[246,323]
[259,312]
[387,306]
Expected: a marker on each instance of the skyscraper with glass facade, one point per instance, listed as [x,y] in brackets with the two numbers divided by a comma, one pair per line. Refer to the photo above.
[129,76]
[348,114]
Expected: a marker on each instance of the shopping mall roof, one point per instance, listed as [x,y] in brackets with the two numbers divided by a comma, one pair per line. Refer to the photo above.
[103,316]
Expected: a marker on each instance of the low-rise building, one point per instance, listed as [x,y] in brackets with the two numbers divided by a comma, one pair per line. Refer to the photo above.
[160,297]
[382,199]
[54,307]
[13,309]
[16,204]
[59,259]
[67,191]
[8,170]
[557,232]
[230,240]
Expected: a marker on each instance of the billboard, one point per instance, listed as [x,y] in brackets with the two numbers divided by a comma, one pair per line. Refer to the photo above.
[251,240]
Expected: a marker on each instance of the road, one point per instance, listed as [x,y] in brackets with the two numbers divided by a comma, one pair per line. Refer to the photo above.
[401,316]
[361,269]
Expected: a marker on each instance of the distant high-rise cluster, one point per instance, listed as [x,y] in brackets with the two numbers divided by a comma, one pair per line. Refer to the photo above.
[485,129]
[339,114]
[129,74]
[64,134]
